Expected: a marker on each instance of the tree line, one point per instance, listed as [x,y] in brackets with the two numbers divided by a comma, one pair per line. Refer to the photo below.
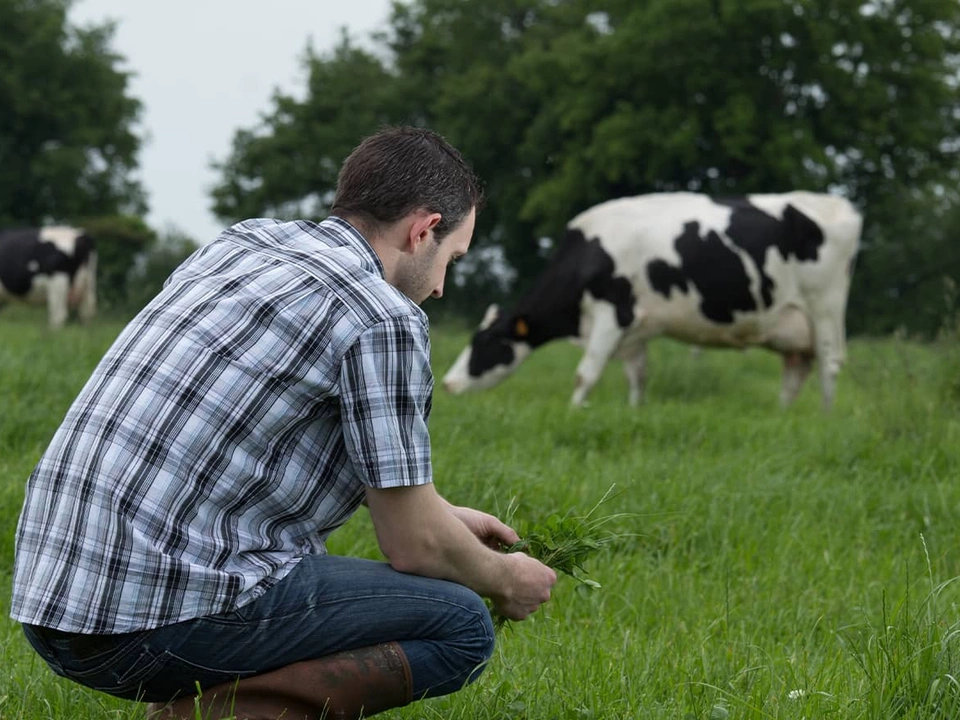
[560,104]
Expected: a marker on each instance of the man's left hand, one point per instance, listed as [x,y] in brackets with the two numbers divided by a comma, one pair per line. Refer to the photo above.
[492,532]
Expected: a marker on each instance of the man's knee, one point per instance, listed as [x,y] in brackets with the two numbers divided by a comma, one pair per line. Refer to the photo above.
[476,640]
[482,642]
[444,664]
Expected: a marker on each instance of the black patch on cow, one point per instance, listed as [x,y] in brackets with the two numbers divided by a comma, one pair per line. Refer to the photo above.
[715,270]
[551,309]
[24,255]
[663,277]
[604,285]
[796,236]
[489,349]
[83,248]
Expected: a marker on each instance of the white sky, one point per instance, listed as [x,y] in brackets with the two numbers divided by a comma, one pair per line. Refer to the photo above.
[203,69]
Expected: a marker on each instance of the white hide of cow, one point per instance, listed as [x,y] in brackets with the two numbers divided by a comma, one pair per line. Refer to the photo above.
[805,319]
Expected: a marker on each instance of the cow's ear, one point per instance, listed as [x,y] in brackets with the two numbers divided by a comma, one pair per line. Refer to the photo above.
[489,316]
[520,328]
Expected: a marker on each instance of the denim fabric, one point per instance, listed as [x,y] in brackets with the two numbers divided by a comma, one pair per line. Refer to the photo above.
[325,605]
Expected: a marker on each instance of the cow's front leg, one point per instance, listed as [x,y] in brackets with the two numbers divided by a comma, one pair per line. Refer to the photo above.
[605,336]
[635,368]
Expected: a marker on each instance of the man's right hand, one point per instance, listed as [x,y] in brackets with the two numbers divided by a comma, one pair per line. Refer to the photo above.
[528,586]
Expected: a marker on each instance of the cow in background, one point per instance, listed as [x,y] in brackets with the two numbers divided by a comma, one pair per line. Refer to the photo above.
[772,271]
[52,265]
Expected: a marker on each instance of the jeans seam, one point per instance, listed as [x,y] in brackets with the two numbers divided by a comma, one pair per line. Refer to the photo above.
[353,598]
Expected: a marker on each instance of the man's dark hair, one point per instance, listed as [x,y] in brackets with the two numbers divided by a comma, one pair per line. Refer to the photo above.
[401,169]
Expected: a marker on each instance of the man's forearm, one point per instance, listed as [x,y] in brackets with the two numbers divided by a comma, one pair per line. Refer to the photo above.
[419,533]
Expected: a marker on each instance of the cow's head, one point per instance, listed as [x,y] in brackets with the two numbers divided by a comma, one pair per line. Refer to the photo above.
[497,348]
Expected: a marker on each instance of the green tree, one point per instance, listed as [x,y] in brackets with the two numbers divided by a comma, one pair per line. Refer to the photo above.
[752,96]
[906,275]
[287,166]
[560,104]
[121,241]
[68,147]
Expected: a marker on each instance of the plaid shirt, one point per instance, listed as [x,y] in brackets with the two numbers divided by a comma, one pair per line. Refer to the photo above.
[232,426]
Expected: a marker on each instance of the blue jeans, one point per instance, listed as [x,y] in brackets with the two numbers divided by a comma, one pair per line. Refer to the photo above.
[327,604]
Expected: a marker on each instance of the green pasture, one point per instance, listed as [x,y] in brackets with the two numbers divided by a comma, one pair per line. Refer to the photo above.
[767,564]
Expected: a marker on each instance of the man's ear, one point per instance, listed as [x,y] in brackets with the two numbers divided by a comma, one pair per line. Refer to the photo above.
[420,229]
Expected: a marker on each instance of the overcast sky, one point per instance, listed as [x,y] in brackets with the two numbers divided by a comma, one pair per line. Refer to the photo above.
[203,69]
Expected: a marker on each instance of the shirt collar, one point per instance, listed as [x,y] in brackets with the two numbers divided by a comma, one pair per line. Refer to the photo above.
[346,235]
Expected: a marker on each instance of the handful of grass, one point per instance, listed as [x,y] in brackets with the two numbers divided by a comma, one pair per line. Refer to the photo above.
[565,543]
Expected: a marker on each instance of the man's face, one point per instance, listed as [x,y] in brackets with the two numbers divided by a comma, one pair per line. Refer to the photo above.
[423,273]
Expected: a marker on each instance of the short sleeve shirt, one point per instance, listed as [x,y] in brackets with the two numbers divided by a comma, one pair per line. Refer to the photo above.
[233,424]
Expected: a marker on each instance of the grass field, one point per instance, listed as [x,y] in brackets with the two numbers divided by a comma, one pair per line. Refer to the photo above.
[768,564]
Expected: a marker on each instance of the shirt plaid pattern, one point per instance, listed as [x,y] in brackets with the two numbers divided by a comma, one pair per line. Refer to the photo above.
[229,429]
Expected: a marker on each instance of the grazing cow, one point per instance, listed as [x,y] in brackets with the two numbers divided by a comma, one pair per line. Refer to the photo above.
[761,270]
[55,265]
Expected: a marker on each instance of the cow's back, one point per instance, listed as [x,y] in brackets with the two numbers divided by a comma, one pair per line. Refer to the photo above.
[638,228]
[725,271]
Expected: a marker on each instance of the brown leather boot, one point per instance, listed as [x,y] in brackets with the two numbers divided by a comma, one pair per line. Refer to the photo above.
[346,686]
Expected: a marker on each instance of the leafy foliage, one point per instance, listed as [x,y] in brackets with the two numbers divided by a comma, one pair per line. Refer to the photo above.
[562,104]
[562,543]
[121,240]
[67,141]
[565,543]
[288,166]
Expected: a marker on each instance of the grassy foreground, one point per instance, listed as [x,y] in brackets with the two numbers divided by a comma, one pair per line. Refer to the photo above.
[769,564]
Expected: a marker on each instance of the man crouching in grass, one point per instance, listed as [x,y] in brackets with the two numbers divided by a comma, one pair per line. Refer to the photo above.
[173,533]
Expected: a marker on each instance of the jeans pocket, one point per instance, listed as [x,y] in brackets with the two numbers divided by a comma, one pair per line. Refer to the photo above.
[92,651]
[119,673]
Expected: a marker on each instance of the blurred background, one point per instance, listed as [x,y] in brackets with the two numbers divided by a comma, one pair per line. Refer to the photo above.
[155,125]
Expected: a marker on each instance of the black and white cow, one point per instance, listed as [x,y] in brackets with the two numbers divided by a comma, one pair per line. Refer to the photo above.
[52,265]
[761,270]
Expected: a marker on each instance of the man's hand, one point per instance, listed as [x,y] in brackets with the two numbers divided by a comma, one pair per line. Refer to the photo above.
[423,534]
[489,530]
[532,582]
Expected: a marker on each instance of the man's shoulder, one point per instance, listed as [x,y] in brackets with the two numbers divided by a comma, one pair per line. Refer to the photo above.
[331,255]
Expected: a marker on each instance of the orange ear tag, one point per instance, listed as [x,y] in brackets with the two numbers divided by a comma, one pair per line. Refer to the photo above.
[520,328]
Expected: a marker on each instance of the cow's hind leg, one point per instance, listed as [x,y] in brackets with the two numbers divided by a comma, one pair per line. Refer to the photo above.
[635,368]
[796,368]
[605,336]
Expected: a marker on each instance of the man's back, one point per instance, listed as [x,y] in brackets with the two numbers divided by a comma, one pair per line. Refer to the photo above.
[207,453]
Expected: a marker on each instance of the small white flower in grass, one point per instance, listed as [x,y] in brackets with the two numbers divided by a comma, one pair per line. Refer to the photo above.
[796,694]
